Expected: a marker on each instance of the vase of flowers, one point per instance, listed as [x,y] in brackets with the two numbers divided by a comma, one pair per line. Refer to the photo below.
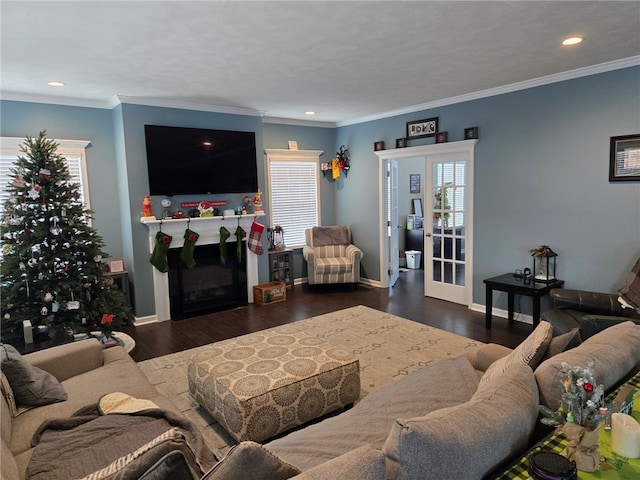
[582,410]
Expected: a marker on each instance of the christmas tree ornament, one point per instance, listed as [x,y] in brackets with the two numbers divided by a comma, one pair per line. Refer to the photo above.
[44,311]
[160,250]
[255,236]
[33,193]
[48,297]
[97,258]
[186,254]
[55,229]
[32,262]
[240,234]
[224,234]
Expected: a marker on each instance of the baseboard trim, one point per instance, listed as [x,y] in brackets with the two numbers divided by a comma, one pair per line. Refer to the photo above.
[498,312]
[137,321]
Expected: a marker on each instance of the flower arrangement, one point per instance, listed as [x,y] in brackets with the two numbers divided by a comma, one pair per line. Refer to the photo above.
[542,251]
[582,400]
[441,202]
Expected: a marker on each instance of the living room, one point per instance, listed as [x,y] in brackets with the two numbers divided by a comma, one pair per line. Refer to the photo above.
[541,161]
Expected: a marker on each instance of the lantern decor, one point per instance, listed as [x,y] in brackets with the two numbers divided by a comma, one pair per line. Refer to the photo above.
[275,238]
[544,264]
[339,164]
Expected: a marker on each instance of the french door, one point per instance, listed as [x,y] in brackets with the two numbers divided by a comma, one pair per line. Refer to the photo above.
[447,227]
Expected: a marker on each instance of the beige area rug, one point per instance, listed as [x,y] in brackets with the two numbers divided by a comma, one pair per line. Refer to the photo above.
[388,347]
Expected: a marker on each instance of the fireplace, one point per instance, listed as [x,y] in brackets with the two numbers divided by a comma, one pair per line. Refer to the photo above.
[209,230]
[208,286]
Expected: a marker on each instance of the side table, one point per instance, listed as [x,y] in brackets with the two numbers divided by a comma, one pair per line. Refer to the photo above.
[512,285]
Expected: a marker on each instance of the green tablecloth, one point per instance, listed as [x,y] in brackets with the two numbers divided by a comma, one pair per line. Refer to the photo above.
[613,466]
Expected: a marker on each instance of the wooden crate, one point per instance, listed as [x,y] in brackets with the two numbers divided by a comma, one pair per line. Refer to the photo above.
[271,292]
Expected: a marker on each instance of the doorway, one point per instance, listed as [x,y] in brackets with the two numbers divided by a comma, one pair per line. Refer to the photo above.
[448,250]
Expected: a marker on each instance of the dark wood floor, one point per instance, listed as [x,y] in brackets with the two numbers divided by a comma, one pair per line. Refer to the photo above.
[406,299]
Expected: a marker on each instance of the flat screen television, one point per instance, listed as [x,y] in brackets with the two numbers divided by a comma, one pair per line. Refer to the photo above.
[184,161]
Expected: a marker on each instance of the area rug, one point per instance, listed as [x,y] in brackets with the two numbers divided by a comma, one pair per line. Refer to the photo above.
[388,347]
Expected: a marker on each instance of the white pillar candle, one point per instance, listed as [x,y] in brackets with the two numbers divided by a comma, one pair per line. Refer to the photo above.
[625,435]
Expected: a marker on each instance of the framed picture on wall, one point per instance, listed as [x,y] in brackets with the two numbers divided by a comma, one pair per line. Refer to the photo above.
[624,158]
[422,128]
[414,183]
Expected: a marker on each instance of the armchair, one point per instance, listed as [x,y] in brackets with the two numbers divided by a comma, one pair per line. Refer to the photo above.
[330,255]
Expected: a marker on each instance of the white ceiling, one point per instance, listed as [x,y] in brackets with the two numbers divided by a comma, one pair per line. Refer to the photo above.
[345,60]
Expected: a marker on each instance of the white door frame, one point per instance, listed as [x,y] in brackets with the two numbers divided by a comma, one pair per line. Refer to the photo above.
[466,146]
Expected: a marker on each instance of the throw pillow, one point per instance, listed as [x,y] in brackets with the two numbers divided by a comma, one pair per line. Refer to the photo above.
[31,386]
[250,461]
[529,352]
[150,456]
[563,342]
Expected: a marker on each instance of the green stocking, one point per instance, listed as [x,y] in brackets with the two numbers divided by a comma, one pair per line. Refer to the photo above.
[224,234]
[186,254]
[240,234]
[159,255]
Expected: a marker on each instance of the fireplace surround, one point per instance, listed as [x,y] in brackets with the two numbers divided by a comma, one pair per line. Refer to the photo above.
[209,230]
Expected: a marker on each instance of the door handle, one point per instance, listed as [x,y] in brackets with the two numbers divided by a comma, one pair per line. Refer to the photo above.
[428,234]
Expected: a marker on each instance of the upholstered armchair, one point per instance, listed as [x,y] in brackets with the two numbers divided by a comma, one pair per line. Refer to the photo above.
[330,256]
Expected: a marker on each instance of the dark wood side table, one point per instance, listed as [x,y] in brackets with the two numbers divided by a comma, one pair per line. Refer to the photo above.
[512,285]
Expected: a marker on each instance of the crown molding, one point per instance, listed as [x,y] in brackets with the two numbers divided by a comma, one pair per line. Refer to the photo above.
[157,102]
[298,122]
[54,100]
[513,87]
[166,103]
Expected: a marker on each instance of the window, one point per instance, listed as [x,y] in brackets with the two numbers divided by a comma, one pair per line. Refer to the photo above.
[294,192]
[72,150]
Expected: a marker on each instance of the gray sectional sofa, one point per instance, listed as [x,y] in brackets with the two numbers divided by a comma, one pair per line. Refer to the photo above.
[459,418]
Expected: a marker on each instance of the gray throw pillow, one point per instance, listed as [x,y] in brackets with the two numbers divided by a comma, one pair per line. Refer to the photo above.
[31,386]
[250,461]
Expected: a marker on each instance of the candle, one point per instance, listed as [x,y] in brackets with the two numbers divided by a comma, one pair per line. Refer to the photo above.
[625,435]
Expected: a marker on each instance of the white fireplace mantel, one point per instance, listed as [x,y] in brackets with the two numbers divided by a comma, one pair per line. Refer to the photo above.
[209,230]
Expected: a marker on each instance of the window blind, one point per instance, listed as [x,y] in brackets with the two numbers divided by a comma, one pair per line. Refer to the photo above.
[294,198]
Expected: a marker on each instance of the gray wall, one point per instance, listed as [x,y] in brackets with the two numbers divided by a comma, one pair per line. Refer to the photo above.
[541,177]
[541,170]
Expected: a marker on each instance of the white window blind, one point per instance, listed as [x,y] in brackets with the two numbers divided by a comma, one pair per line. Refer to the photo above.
[72,150]
[294,193]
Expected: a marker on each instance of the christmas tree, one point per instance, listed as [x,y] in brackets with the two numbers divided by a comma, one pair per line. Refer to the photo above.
[51,266]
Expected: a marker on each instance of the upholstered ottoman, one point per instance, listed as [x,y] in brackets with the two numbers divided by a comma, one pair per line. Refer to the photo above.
[259,385]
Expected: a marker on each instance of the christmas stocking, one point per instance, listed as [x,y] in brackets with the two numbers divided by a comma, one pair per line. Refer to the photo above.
[186,254]
[240,234]
[224,234]
[254,238]
[159,255]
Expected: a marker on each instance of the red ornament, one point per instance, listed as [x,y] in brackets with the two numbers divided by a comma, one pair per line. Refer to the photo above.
[107,319]
[587,387]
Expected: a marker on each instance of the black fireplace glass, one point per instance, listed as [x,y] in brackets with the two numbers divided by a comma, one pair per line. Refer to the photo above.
[210,285]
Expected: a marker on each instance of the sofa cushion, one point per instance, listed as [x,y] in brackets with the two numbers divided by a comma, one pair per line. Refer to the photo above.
[250,461]
[563,342]
[329,265]
[615,350]
[364,463]
[529,352]
[8,466]
[467,441]
[31,386]
[444,383]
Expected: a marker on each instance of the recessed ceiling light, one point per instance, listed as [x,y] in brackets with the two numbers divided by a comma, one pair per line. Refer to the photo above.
[310,113]
[55,84]
[571,41]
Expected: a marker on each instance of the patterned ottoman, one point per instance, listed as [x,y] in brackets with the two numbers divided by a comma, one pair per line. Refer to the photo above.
[259,385]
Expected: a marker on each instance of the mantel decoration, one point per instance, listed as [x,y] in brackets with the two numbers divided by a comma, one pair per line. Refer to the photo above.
[544,264]
[582,410]
[341,163]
